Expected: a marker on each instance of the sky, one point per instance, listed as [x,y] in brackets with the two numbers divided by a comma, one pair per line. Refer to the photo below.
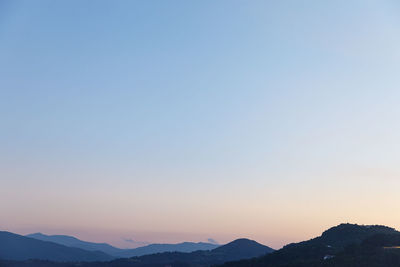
[170,121]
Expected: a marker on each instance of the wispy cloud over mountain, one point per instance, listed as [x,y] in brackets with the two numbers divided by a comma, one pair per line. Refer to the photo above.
[133,243]
[212,241]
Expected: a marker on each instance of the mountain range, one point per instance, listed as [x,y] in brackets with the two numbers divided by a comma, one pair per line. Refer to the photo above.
[18,247]
[233,251]
[345,245]
[71,241]
[18,250]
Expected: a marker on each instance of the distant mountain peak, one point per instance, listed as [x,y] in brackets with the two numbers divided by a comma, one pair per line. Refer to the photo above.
[244,240]
[242,248]
[241,242]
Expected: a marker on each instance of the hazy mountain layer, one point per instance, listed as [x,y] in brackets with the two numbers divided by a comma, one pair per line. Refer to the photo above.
[236,250]
[123,253]
[18,247]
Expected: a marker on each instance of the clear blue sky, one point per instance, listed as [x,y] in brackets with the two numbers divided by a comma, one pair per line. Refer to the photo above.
[167,121]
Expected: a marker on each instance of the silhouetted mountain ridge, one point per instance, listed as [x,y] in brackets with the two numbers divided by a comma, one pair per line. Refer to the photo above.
[238,249]
[242,248]
[320,250]
[123,253]
[235,250]
[71,241]
[18,247]
[345,245]
[344,233]
[185,247]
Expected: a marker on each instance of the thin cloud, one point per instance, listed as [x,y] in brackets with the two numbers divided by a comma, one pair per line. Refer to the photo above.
[134,242]
[212,241]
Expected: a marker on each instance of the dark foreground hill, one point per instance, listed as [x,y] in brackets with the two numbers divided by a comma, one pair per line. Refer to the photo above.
[236,250]
[17,247]
[71,241]
[343,245]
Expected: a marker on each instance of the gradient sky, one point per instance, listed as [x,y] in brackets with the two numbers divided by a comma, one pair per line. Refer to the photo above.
[169,121]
